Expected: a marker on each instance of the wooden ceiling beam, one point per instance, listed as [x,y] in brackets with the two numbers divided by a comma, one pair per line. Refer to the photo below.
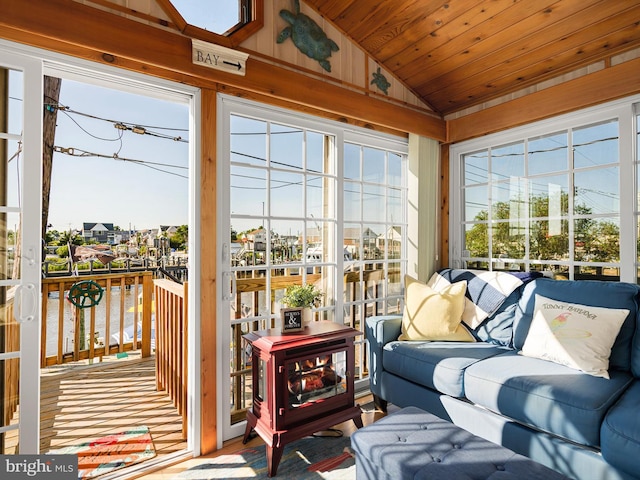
[90,33]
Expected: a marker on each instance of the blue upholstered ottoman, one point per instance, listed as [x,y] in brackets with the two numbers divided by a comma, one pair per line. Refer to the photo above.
[413,444]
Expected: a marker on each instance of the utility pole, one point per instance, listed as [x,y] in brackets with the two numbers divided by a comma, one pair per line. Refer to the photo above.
[49,120]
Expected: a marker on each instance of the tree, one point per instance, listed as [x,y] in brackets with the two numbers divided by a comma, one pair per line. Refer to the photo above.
[180,239]
[594,240]
[69,237]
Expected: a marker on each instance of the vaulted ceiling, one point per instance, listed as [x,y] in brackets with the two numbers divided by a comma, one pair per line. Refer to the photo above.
[458,53]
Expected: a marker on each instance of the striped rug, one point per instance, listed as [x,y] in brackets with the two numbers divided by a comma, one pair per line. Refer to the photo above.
[309,458]
[112,452]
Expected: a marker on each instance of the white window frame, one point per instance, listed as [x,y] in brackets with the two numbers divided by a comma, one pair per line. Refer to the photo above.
[623,111]
[63,66]
[341,133]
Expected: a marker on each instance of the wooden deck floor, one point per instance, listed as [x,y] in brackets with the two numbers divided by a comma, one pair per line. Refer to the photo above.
[83,404]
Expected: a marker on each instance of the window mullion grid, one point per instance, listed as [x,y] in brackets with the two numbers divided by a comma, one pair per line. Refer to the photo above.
[628,195]
[527,198]
[571,200]
[266,215]
[490,212]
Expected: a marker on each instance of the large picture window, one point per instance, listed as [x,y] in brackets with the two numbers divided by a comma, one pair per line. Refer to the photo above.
[549,197]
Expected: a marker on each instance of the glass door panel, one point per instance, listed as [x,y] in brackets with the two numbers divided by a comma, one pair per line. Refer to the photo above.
[281,214]
[20,187]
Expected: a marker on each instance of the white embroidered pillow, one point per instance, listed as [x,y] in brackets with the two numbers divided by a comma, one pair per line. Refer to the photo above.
[578,336]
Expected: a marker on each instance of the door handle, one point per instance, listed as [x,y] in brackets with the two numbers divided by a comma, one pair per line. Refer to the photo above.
[31,257]
[228,286]
[25,302]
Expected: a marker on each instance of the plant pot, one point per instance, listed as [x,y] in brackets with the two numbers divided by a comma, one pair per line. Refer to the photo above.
[307,316]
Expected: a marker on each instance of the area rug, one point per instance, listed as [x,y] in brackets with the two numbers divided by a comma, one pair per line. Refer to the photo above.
[310,458]
[106,454]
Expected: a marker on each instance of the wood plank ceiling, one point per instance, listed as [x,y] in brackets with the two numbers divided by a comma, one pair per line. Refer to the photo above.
[458,53]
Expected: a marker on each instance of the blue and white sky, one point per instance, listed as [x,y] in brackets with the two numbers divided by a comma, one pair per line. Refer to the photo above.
[110,190]
[213,15]
[141,194]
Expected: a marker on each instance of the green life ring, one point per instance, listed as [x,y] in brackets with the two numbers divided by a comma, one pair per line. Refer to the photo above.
[85,294]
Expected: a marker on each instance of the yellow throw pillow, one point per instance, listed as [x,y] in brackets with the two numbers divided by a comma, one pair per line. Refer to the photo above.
[431,315]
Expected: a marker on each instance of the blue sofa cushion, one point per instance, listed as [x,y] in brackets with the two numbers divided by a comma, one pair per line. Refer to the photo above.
[584,292]
[621,432]
[437,365]
[545,395]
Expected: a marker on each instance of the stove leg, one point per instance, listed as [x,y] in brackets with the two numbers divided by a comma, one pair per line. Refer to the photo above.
[274,454]
[247,431]
[358,421]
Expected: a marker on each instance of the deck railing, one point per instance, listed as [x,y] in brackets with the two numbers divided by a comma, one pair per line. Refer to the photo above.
[84,341]
[171,343]
[251,291]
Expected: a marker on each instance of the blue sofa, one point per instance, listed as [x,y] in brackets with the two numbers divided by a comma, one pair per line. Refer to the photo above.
[583,426]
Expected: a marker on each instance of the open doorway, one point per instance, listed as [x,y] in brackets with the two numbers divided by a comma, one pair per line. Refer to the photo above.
[115,229]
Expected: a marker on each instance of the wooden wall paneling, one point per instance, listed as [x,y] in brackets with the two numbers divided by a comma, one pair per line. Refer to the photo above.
[286,50]
[300,58]
[340,101]
[151,16]
[144,6]
[172,12]
[156,10]
[621,80]
[445,195]
[264,40]
[341,65]
[121,42]
[351,63]
[208,280]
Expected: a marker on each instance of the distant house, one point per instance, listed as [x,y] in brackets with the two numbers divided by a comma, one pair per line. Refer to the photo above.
[257,240]
[159,238]
[99,232]
[391,240]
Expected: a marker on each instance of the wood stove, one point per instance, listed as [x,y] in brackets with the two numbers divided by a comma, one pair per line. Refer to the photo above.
[302,383]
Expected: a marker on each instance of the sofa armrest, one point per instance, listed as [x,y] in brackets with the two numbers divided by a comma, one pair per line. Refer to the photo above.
[379,331]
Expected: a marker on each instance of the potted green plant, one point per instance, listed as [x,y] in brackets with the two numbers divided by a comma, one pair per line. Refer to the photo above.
[304,297]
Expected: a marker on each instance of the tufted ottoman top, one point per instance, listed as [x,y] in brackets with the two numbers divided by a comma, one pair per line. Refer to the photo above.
[414,444]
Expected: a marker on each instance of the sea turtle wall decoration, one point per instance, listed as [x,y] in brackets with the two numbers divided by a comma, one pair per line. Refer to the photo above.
[307,36]
[380,81]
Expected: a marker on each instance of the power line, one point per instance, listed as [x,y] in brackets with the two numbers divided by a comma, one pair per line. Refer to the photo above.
[78,152]
[122,125]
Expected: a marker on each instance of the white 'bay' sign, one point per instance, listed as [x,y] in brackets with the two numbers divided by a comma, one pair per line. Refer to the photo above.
[219,58]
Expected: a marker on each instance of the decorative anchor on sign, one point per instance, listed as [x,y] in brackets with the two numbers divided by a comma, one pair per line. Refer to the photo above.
[307,36]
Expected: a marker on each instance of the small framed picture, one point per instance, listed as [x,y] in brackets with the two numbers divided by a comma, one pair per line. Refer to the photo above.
[291,319]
